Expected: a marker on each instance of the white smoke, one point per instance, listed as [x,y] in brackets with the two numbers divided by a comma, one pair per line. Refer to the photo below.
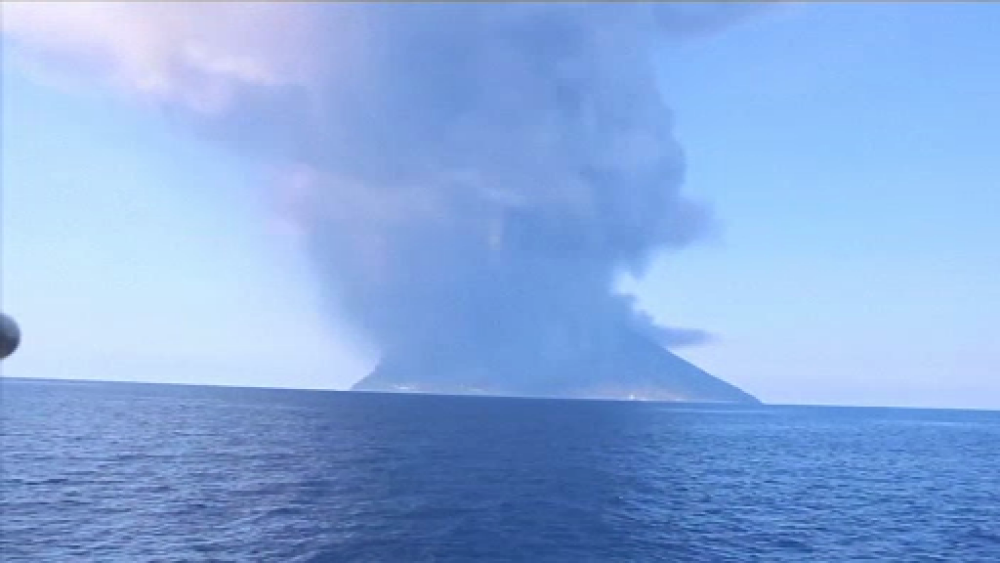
[196,54]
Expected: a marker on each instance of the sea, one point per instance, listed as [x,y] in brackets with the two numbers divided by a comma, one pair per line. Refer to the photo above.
[121,472]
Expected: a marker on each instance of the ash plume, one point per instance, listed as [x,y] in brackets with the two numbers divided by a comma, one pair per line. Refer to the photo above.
[469,179]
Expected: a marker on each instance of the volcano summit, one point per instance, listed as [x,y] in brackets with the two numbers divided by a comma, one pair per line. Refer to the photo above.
[630,367]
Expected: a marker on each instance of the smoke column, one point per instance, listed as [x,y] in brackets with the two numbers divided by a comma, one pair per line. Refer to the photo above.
[469,179]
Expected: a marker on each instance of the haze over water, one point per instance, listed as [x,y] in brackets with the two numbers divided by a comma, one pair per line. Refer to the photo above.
[136,472]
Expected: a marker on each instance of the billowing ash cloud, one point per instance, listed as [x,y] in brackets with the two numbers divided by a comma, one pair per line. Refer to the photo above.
[468,177]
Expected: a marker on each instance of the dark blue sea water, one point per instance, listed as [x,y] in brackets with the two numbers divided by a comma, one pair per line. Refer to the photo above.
[132,473]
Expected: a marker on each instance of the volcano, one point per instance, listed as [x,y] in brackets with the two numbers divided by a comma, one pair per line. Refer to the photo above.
[627,367]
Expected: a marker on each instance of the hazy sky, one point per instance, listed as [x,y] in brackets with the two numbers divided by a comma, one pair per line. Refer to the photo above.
[850,152]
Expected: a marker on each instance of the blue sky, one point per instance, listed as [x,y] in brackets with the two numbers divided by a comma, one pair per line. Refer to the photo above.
[849,150]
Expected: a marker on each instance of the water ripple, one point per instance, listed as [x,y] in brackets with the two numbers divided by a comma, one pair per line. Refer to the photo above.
[117,472]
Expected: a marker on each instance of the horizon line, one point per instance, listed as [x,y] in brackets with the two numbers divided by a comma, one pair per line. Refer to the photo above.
[763,404]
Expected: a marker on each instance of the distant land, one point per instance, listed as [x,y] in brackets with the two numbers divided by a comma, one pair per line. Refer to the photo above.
[632,368]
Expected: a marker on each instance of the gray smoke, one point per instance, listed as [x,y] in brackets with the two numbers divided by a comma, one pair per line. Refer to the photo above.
[487,172]
[473,177]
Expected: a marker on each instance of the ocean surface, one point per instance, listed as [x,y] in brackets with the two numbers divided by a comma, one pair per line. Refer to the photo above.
[116,472]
